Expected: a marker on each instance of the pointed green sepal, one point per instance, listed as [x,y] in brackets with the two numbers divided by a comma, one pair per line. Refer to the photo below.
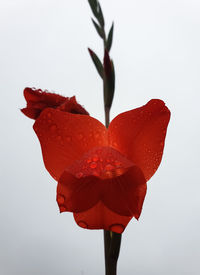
[93,5]
[96,62]
[99,30]
[110,38]
[113,74]
[109,80]
[100,17]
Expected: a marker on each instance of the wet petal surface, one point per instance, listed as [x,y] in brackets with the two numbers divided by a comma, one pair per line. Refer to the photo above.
[97,178]
[139,134]
[100,217]
[65,137]
[38,100]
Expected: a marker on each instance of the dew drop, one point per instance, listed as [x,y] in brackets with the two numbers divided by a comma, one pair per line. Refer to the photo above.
[68,139]
[49,115]
[118,163]
[95,174]
[95,158]
[82,224]
[109,167]
[53,127]
[93,165]
[58,138]
[119,171]
[80,136]
[89,161]
[118,228]
[108,174]
[79,175]
[60,199]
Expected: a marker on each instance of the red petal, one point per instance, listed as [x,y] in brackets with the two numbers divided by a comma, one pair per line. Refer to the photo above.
[139,134]
[65,137]
[102,162]
[125,194]
[37,95]
[100,217]
[31,112]
[76,195]
[121,188]
[70,105]
[38,100]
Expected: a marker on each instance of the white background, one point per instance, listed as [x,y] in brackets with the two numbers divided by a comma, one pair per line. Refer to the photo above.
[156,52]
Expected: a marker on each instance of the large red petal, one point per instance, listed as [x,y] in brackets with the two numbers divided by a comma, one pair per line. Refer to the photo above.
[76,195]
[100,217]
[117,183]
[125,194]
[65,137]
[139,134]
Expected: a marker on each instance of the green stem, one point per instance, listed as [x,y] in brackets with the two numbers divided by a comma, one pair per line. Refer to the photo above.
[113,254]
[107,116]
[112,243]
[112,240]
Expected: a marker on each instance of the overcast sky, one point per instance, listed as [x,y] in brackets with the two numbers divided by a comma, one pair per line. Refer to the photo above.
[156,50]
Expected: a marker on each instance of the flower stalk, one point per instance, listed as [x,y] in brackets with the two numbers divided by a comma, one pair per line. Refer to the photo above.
[112,240]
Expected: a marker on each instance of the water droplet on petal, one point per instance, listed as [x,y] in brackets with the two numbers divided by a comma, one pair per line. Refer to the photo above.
[60,199]
[118,163]
[80,136]
[95,158]
[119,171]
[95,174]
[49,115]
[58,137]
[79,175]
[83,224]
[68,139]
[93,165]
[53,127]
[109,167]
[118,228]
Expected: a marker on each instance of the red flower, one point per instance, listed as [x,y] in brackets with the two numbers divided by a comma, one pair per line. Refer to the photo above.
[38,100]
[101,172]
